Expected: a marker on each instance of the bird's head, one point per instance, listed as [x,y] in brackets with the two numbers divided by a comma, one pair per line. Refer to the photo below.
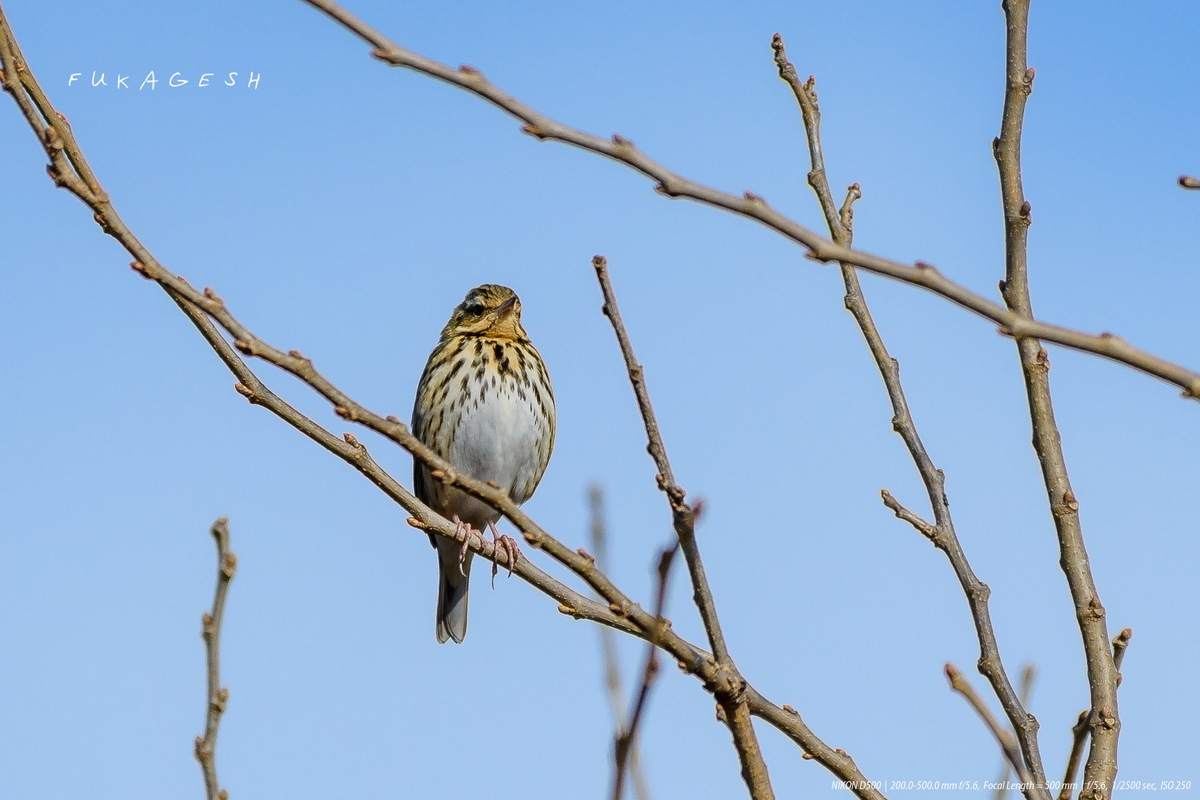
[489,310]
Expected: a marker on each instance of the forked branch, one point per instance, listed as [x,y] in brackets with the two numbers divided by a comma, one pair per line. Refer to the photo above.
[940,532]
[729,691]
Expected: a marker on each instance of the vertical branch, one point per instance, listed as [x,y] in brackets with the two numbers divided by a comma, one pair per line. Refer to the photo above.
[1104,721]
[730,688]
[608,647]
[210,631]
[840,222]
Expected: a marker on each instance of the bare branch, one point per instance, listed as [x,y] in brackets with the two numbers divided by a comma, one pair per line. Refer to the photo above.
[1105,723]
[608,646]
[1004,737]
[626,740]
[730,690]
[751,206]
[681,512]
[210,631]
[941,533]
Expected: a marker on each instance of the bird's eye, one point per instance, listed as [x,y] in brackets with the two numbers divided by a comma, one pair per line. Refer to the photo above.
[475,310]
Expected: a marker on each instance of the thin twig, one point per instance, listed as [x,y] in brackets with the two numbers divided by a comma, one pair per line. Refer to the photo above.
[1004,737]
[71,172]
[1024,692]
[1079,731]
[756,208]
[627,739]
[1079,736]
[681,512]
[730,691]
[613,684]
[1105,722]
[941,532]
[210,631]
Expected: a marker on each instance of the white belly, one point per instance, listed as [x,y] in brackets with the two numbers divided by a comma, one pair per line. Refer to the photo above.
[501,436]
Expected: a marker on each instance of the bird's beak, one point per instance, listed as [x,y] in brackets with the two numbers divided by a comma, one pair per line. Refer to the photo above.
[506,306]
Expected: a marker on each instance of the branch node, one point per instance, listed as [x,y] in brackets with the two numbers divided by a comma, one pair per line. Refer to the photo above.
[247,393]
[533,130]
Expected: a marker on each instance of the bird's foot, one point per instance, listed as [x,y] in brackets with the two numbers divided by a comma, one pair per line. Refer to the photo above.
[464,530]
[510,549]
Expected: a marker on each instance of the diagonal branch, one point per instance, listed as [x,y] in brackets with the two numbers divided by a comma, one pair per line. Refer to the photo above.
[730,689]
[210,631]
[1007,742]
[1105,723]
[753,207]
[841,227]
[354,453]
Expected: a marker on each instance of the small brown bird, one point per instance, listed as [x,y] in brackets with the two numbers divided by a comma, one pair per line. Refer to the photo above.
[485,404]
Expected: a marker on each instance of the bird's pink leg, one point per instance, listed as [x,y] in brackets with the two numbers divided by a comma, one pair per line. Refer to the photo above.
[510,548]
[464,530]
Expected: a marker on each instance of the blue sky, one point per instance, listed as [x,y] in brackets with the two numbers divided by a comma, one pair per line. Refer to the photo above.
[343,208]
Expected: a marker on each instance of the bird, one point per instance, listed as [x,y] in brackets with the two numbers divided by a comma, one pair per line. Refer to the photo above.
[486,405]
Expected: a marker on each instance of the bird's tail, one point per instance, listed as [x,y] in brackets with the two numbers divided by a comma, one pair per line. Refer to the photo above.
[452,592]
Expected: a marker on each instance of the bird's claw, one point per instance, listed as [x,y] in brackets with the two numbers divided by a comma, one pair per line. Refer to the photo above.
[464,530]
[511,550]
